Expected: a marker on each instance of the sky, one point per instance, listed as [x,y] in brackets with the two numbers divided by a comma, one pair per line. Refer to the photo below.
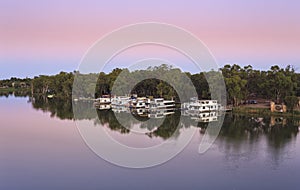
[46,37]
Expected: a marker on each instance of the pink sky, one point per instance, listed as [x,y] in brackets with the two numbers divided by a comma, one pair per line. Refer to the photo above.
[49,36]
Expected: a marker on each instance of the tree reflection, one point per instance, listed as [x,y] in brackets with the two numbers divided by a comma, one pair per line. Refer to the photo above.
[108,117]
[169,127]
[244,138]
[61,109]
[238,133]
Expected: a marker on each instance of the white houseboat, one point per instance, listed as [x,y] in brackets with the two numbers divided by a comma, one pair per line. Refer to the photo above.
[202,105]
[121,101]
[160,103]
[103,103]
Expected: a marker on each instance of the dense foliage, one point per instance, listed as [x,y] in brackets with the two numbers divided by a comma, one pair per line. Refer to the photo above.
[277,84]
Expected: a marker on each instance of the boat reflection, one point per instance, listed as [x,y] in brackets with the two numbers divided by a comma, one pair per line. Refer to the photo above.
[146,113]
[204,117]
[196,115]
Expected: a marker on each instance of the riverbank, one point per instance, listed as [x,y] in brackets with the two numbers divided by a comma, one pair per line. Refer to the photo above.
[262,111]
[10,89]
[15,91]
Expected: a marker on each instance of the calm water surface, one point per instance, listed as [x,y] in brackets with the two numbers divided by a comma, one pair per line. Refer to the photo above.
[41,148]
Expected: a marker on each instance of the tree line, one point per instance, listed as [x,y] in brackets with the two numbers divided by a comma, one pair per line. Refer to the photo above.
[276,84]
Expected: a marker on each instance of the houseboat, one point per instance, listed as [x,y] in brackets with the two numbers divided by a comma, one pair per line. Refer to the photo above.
[118,101]
[202,105]
[160,103]
[103,100]
[103,103]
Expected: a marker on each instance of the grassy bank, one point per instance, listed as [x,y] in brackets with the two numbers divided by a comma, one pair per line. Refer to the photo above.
[7,89]
[263,112]
[16,91]
[12,89]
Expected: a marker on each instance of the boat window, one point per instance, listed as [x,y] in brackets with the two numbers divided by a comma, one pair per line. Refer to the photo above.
[203,107]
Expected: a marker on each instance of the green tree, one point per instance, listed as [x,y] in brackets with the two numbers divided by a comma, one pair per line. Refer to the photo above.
[291,102]
[279,83]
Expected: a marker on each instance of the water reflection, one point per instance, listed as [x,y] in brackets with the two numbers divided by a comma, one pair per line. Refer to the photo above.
[61,109]
[244,156]
[246,144]
[238,133]
[18,93]
[152,129]
[243,138]
[237,128]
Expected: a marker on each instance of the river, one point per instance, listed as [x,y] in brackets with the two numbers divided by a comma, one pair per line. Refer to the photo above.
[42,148]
